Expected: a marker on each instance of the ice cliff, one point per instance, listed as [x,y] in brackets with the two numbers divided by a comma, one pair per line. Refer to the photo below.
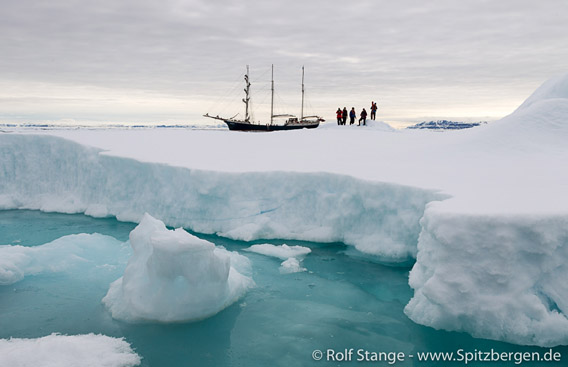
[52,174]
[494,277]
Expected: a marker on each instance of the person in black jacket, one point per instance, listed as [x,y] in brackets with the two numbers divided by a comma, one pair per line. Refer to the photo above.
[363,117]
[344,115]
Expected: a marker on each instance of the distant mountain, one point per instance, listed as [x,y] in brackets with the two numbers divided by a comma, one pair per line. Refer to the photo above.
[445,125]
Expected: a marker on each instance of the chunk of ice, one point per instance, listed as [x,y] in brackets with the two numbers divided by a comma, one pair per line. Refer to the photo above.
[174,276]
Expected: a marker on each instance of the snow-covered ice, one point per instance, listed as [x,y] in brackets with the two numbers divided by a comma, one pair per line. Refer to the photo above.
[53,174]
[291,265]
[496,277]
[282,252]
[501,274]
[463,203]
[292,255]
[174,276]
[68,351]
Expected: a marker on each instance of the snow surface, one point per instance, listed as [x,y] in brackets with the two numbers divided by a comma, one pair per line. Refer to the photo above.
[174,276]
[370,125]
[392,194]
[68,351]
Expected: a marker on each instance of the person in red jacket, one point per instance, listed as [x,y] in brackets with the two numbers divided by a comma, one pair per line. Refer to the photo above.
[373,110]
[339,114]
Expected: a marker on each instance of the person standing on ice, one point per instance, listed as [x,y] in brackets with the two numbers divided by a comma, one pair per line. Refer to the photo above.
[373,110]
[352,115]
[363,117]
[339,115]
[344,116]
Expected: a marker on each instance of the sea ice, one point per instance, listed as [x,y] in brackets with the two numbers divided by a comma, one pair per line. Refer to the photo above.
[291,265]
[74,253]
[68,351]
[503,184]
[57,175]
[174,276]
[498,273]
[282,252]
[292,255]
[493,277]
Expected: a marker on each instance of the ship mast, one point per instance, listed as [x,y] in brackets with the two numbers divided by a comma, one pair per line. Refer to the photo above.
[302,111]
[247,95]
[272,98]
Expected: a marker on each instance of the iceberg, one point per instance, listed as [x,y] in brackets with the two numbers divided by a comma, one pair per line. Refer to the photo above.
[173,276]
[68,351]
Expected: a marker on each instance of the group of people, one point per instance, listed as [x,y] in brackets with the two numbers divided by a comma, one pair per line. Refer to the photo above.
[342,115]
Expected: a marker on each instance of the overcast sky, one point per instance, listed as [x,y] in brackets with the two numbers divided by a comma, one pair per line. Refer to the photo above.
[174,60]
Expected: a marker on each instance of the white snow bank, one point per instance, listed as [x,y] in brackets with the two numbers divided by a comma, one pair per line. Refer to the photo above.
[552,89]
[66,254]
[52,174]
[174,276]
[539,124]
[282,252]
[68,350]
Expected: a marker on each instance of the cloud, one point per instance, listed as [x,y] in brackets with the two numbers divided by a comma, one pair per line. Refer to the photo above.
[194,49]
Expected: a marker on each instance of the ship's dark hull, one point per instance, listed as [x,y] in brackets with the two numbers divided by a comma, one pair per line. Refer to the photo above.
[243,126]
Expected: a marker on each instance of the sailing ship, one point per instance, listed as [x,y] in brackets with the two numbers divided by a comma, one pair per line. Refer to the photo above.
[292,121]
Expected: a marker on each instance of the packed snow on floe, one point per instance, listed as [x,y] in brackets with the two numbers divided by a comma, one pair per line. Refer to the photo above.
[292,255]
[482,210]
[282,252]
[68,351]
[175,276]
